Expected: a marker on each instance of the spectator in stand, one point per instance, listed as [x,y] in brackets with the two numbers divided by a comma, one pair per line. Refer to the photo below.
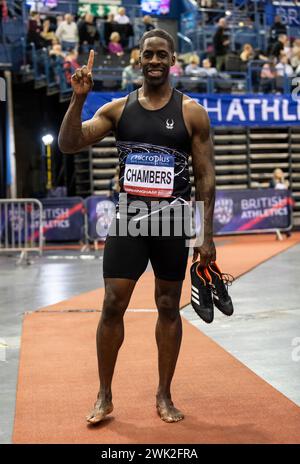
[295,54]
[221,44]
[283,67]
[109,25]
[283,71]
[278,181]
[67,33]
[247,53]
[287,48]
[132,75]
[193,68]
[124,27]
[267,78]
[207,68]
[276,30]
[148,23]
[88,33]
[255,72]
[114,46]
[176,70]
[56,50]
[80,20]
[47,34]
[71,58]
[71,64]
[279,46]
[34,31]
[121,17]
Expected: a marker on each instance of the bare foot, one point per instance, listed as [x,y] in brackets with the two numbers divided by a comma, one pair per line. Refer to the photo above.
[101,409]
[167,411]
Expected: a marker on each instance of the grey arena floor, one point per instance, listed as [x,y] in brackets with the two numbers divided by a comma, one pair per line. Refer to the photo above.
[264,332]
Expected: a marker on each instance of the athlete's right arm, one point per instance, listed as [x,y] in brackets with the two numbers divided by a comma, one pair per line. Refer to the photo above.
[75,135]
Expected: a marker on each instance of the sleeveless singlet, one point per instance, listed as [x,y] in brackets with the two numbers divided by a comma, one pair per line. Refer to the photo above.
[153,148]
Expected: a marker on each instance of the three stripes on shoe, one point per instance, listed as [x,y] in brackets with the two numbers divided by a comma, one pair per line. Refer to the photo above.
[195,295]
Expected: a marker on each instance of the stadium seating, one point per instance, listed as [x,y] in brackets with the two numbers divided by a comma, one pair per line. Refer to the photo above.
[244,157]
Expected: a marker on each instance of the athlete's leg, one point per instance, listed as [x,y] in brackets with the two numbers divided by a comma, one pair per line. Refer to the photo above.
[110,336]
[169,261]
[125,259]
[168,339]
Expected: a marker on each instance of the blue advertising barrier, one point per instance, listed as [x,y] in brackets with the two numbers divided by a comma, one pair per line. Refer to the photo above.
[227,110]
[63,219]
[289,12]
[95,100]
[241,211]
[236,212]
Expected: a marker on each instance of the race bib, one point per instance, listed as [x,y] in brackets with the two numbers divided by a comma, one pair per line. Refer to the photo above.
[149,174]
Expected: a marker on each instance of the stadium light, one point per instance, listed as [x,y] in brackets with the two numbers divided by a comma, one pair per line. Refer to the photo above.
[47,139]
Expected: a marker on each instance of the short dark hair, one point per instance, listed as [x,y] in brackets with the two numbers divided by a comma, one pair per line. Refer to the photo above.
[158,33]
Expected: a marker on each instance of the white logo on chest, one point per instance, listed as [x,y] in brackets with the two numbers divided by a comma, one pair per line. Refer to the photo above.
[170,124]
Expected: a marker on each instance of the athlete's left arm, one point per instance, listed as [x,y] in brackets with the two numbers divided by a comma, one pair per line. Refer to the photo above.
[204,177]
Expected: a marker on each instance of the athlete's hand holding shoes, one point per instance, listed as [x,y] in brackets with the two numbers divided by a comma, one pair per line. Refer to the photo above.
[209,284]
[207,252]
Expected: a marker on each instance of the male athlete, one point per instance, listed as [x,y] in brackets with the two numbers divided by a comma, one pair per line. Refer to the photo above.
[154,122]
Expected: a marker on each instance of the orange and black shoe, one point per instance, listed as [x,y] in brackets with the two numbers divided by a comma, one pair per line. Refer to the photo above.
[220,283]
[201,298]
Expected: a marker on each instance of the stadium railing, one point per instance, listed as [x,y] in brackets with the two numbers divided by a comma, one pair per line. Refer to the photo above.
[21,226]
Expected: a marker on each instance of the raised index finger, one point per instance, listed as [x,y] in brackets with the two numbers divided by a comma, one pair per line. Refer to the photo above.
[90,62]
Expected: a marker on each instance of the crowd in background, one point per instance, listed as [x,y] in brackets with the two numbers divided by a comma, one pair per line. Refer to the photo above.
[66,38]
[81,35]
[281,58]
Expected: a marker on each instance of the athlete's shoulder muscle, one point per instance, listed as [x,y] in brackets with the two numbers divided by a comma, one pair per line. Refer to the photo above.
[111,110]
[103,122]
[196,117]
